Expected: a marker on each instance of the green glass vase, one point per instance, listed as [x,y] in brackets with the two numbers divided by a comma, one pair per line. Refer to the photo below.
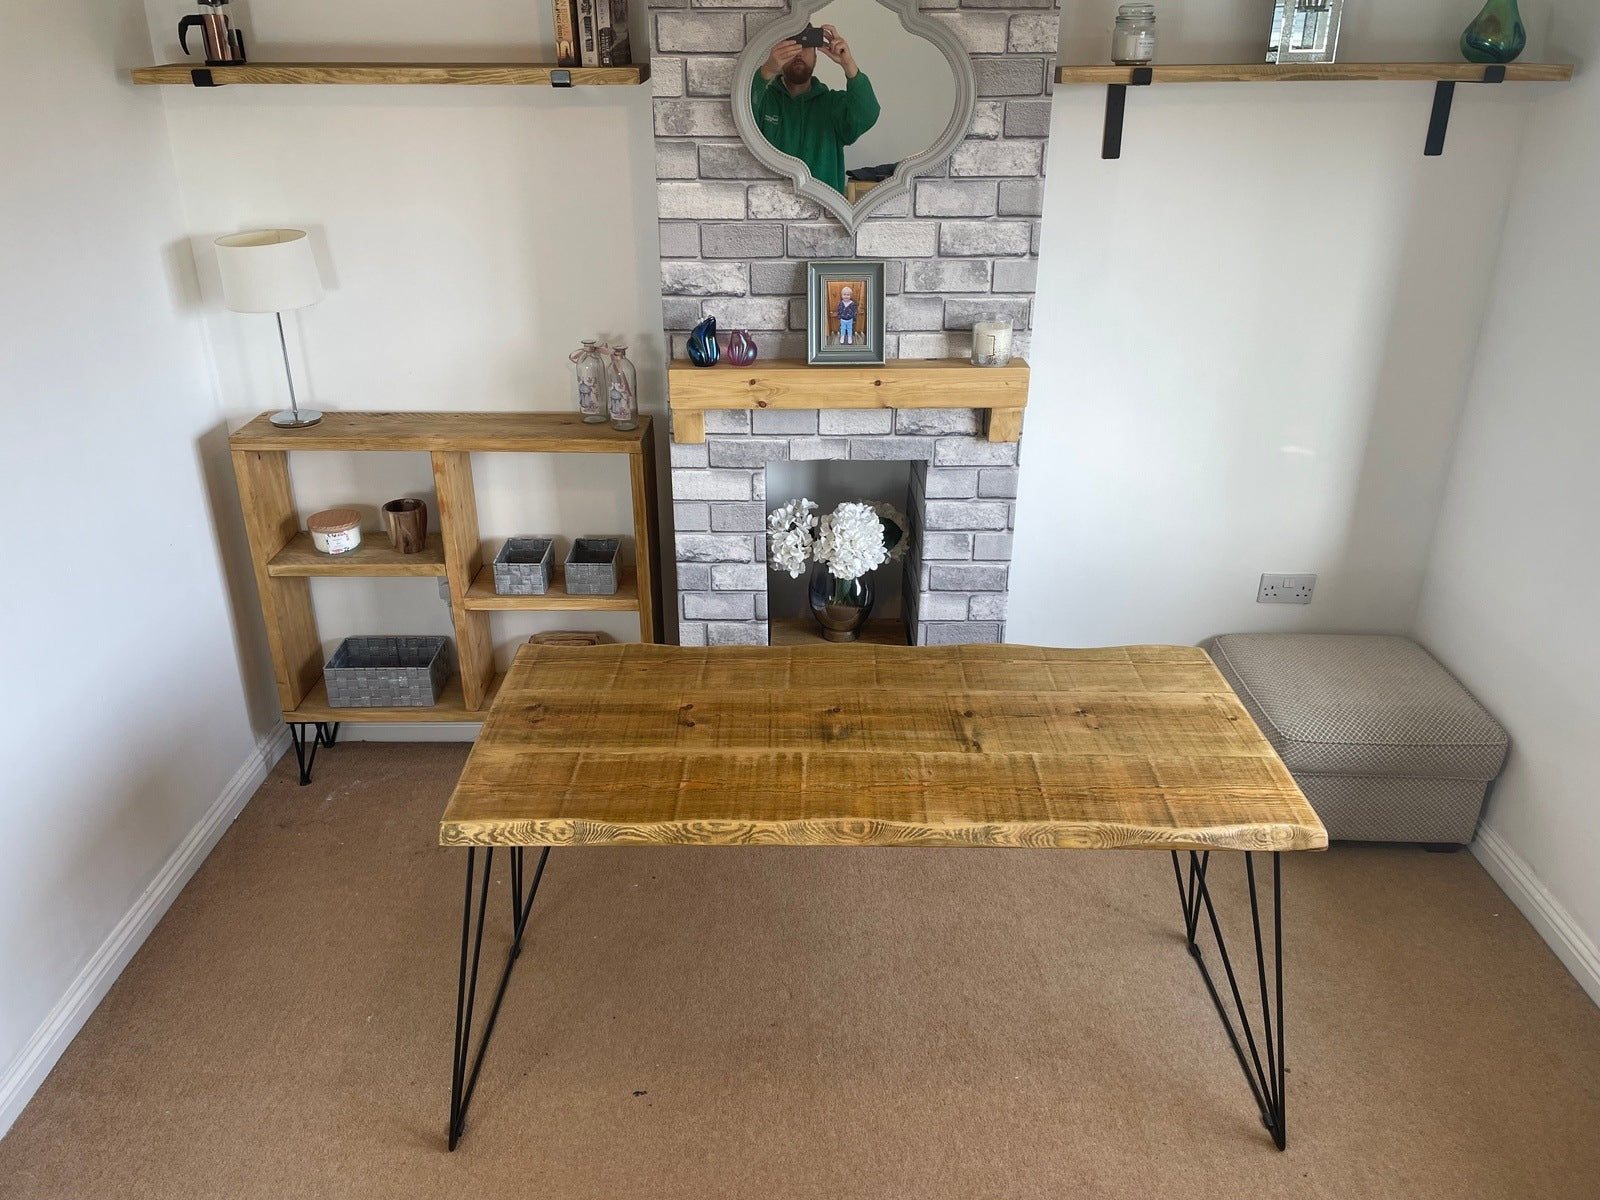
[1496,34]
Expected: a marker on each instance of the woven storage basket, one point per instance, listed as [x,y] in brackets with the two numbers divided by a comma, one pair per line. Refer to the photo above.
[387,672]
[522,568]
[591,566]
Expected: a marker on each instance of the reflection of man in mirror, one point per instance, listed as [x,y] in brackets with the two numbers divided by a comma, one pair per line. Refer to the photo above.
[847,316]
[802,116]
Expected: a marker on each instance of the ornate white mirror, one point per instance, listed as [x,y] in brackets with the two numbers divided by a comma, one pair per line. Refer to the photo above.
[852,99]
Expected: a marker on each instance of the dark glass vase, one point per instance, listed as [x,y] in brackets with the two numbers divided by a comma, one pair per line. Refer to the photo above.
[841,606]
[1496,34]
[703,351]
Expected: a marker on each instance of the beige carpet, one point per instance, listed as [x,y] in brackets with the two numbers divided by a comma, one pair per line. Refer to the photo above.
[773,1023]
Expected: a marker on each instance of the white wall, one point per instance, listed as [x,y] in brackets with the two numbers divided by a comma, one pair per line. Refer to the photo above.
[1252,335]
[1512,596]
[122,706]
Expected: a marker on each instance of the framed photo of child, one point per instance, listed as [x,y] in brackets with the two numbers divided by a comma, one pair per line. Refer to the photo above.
[844,307]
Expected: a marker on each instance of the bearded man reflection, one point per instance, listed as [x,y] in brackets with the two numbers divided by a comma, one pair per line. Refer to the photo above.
[802,116]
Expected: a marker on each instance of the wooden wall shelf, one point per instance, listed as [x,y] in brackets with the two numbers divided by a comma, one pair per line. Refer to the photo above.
[481,595]
[375,558]
[475,74]
[899,383]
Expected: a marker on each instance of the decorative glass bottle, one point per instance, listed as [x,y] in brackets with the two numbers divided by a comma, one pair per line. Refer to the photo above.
[1133,40]
[590,365]
[623,390]
[741,348]
[1496,34]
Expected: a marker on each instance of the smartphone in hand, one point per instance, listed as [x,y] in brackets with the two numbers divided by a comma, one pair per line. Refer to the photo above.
[810,36]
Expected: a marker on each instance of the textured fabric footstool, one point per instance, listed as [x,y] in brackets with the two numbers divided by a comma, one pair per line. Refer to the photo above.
[1386,744]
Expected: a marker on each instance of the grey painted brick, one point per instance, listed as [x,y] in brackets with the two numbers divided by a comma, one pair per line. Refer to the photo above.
[891,449]
[741,239]
[1007,157]
[761,606]
[704,279]
[710,75]
[969,452]
[935,345]
[961,514]
[689,454]
[967,577]
[952,483]
[1021,197]
[777,279]
[701,201]
[679,312]
[900,206]
[979,237]
[666,77]
[700,33]
[958,633]
[943,606]
[694,517]
[676,160]
[947,275]
[936,420]
[736,633]
[947,546]
[1008,3]
[785,421]
[799,312]
[747,452]
[894,277]
[811,449]
[728,420]
[679,239]
[914,312]
[855,420]
[694,118]
[998,482]
[739,577]
[719,606]
[711,485]
[960,314]
[775,345]
[736,517]
[955,198]
[728,160]
[715,547]
[1034,238]
[1032,33]
[992,546]
[754,312]
[777,201]
[988,607]
[693,577]
[1009,76]
[980,32]
[820,241]
[691,633]
[1027,118]
[897,239]
[1016,275]
[988,118]
[655,4]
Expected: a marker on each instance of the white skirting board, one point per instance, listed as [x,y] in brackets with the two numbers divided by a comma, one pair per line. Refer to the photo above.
[23,1077]
[1544,912]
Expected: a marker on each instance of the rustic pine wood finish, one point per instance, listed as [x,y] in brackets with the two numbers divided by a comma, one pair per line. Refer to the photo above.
[803,631]
[1140,746]
[516,74]
[899,383]
[1457,72]
[284,559]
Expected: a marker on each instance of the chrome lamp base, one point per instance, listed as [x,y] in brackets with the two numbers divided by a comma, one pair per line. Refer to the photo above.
[296,419]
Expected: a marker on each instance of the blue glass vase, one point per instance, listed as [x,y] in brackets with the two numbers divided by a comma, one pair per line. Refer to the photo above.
[703,350]
[1496,34]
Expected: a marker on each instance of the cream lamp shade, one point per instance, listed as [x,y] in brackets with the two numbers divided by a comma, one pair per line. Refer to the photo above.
[268,271]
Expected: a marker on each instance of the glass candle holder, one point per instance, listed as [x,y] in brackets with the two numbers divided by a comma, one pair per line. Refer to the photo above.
[991,340]
[1133,40]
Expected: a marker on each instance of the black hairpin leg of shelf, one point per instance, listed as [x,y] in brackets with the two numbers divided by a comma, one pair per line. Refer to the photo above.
[1116,102]
[1444,94]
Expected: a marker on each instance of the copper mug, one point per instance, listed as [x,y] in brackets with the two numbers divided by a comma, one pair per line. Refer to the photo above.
[407,521]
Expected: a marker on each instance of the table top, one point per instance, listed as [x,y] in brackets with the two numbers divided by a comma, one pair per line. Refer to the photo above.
[994,745]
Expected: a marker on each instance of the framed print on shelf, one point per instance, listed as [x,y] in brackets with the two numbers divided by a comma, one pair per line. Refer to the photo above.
[844,312]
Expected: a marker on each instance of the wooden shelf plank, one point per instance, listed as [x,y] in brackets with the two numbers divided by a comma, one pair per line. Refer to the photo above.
[803,631]
[375,557]
[1457,72]
[315,707]
[515,74]
[473,432]
[481,595]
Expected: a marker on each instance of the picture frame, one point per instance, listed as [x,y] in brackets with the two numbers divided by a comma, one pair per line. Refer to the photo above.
[839,286]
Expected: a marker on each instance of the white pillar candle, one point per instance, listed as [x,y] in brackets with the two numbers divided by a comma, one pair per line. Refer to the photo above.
[991,340]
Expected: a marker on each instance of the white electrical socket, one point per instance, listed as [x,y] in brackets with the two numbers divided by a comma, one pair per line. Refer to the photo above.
[1286,589]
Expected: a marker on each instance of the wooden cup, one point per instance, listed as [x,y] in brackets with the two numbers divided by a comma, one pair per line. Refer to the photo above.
[407,521]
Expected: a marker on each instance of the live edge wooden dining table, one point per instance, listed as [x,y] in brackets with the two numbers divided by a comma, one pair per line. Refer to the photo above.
[1138,747]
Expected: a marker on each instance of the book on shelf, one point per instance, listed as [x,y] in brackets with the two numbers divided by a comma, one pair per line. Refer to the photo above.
[611,33]
[566,22]
[588,45]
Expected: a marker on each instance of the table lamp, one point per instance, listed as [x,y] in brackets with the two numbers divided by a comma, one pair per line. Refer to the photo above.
[272,271]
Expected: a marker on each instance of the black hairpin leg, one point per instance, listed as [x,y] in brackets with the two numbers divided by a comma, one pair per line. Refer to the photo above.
[305,747]
[328,732]
[1265,1076]
[463,1082]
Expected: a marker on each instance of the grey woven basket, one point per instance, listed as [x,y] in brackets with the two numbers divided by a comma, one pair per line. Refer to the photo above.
[523,566]
[387,672]
[591,566]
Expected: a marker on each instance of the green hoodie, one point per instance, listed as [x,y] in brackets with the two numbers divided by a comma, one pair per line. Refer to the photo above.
[816,125]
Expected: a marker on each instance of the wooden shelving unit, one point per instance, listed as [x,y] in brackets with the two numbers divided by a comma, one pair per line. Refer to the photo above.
[285,562]
[469,74]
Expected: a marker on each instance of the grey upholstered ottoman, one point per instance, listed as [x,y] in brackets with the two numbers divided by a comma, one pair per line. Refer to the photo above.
[1386,744]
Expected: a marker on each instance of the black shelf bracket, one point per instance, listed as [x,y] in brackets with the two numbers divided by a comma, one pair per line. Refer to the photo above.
[1116,102]
[561,79]
[201,77]
[1444,94]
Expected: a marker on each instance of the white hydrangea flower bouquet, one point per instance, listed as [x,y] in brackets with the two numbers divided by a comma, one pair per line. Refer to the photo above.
[854,538]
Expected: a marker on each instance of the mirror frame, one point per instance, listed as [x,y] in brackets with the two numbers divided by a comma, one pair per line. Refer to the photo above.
[899,184]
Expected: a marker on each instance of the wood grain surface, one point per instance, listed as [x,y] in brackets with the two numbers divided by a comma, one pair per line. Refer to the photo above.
[1138,746]
[479,432]
[375,557]
[512,74]
[1459,72]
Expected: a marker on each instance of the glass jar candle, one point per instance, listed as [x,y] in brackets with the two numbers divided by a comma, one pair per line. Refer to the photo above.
[335,530]
[991,340]
[1133,41]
